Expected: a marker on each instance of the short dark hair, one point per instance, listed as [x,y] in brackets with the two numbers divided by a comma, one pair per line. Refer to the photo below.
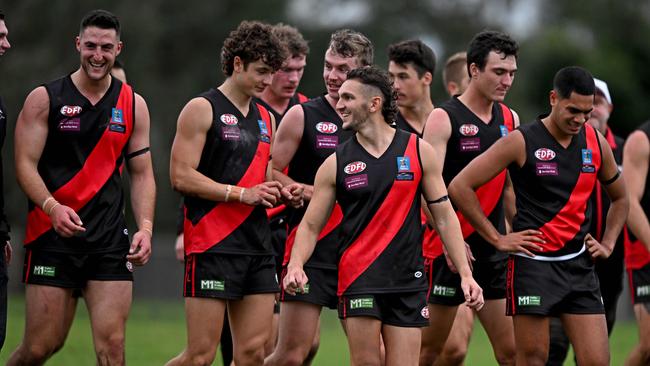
[349,43]
[252,41]
[293,40]
[486,41]
[379,79]
[413,52]
[573,79]
[101,19]
[2,15]
[454,68]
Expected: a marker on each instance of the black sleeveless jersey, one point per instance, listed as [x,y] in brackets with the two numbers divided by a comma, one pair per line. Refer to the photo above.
[4,224]
[553,188]
[236,151]
[296,99]
[402,124]
[470,137]
[380,247]
[81,166]
[322,133]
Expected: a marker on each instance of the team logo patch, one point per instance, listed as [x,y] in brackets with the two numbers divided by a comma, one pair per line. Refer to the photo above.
[326,127]
[544,154]
[586,156]
[228,119]
[125,231]
[418,274]
[70,125]
[468,129]
[129,266]
[504,130]
[403,164]
[529,300]
[425,312]
[116,116]
[263,129]
[70,110]
[355,167]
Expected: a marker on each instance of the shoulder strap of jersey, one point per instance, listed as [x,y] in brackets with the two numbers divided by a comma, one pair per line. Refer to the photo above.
[302,98]
[508,117]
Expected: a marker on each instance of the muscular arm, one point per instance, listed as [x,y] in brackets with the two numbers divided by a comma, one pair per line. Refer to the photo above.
[636,156]
[509,198]
[286,144]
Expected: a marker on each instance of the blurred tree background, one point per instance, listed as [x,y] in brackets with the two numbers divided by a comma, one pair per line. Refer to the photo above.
[171,51]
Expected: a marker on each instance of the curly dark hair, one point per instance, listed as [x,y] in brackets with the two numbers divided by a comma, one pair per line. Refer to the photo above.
[101,19]
[252,41]
[377,78]
[486,41]
[413,52]
[292,39]
[573,79]
[349,43]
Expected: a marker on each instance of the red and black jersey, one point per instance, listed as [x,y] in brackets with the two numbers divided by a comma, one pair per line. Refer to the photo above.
[296,99]
[236,151]
[636,254]
[553,188]
[403,124]
[322,133]
[380,244]
[81,166]
[470,137]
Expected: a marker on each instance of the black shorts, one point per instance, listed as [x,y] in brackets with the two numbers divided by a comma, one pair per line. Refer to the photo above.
[320,289]
[229,276]
[640,284]
[70,270]
[551,288]
[444,285]
[408,309]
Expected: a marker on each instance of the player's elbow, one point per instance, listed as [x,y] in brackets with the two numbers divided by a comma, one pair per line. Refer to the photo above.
[179,179]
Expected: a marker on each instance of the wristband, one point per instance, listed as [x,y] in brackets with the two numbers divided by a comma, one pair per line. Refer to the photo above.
[147,226]
[46,202]
[49,212]
[228,190]
[241,194]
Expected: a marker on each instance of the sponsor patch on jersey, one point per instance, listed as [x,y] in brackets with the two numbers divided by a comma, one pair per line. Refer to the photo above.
[469,144]
[588,168]
[504,130]
[326,127]
[356,182]
[70,110]
[231,133]
[586,157]
[403,164]
[327,141]
[425,312]
[115,127]
[546,168]
[362,303]
[355,167]
[529,300]
[117,116]
[468,129]
[263,129]
[72,124]
[45,271]
[228,119]
[213,285]
[404,176]
[544,154]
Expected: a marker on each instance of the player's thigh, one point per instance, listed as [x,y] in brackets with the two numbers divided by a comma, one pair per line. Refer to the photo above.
[588,336]
[402,345]
[298,324]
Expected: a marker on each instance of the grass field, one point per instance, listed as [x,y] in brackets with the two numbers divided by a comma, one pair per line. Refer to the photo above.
[156,332]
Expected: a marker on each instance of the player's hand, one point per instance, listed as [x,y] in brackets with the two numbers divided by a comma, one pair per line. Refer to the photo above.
[265,194]
[308,192]
[596,249]
[292,195]
[468,254]
[65,221]
[473,293]
[179,248]
[521,242]
[295,280]
[140,250]
[8,252]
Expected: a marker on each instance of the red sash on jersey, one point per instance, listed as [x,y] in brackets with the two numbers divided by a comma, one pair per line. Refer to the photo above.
[224,218]
[383,226]
[335,219]
[636,254]
[566,224]
[488,195]
[96,171]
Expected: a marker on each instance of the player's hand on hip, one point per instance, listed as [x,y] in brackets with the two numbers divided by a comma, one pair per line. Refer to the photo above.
[140,250]
[265,194]
[65,221]
[521,242]
[292,195]
[596,249]
[294,280]
[473,293]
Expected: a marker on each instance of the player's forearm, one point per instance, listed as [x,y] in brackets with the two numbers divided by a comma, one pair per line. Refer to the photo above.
[31,182]
[305,242]
[143,198]
[189,182]
[637,222]
[468,204]
[448,227]
[616,217]
[284,179]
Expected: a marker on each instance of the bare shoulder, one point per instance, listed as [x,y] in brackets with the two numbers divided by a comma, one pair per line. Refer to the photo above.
[196,115]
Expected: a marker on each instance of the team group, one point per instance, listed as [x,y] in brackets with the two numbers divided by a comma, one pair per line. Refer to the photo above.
[408,219]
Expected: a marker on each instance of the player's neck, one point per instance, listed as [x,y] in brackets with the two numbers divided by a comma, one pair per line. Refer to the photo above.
[278,103]
[417,114]
[93,90]
[477,103]
[561,137]
[375,135]
[331,100]
[235,95]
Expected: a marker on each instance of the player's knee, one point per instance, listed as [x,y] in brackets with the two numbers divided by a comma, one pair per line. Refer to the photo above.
[110,350]
[533,355]
[454,354]
[505,355]
[427,355]
[200,359]
[249,355]
[37,353]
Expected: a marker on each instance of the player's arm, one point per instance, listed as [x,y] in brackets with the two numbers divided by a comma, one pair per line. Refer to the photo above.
[508,150]
[291,193]
[31,133]
[286,144]
[636,157]
[143,185]
[509,198]
[191,131]
[446,222]
[614,184]
[312,223]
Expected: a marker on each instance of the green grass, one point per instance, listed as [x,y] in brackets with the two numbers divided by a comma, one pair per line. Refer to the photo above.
[156,333]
